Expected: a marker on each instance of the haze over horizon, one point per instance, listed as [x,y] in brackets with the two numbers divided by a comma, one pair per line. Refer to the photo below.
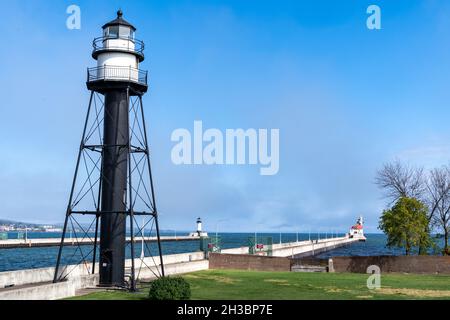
[346,100]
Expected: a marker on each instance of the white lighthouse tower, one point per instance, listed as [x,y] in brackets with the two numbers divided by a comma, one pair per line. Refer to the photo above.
[199,232]
[199,225]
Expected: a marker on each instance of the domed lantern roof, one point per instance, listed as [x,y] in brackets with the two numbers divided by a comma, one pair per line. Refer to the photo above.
[119,21]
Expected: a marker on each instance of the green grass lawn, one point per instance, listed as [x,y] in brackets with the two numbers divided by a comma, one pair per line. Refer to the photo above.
[248,285]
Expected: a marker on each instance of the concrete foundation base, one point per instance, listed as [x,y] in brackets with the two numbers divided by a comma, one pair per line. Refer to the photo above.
[36,284]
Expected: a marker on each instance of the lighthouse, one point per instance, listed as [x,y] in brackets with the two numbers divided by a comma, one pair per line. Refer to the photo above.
[199,232]
[357,230]
[199,226]
[123,187]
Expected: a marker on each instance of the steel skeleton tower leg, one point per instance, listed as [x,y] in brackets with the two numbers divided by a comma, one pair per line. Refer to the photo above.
[115,192]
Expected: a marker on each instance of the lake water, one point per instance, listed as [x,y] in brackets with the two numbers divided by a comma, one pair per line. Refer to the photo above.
[27,258]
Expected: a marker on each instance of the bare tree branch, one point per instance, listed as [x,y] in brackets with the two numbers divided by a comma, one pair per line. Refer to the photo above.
[438,186]
[398,180]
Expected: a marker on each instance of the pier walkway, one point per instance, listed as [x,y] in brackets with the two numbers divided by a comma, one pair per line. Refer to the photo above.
[54,242]
[303,248]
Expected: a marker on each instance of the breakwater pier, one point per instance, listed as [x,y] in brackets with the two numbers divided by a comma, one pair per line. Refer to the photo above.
[72,241]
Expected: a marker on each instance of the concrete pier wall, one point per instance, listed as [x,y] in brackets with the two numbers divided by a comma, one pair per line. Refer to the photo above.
[48,290]
[171,269]
[42,275]
[169,259]
[36,284]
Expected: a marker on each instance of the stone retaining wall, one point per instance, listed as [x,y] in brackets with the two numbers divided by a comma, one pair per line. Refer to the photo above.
[403,264]
[248,262]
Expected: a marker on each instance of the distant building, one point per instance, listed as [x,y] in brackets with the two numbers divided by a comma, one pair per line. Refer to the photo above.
[52,229]
[199,232]
[49,228]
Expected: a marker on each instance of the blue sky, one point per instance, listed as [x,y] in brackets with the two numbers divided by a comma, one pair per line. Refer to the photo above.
[346,99]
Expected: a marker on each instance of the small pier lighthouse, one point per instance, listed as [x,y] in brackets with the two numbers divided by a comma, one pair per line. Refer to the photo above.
[114,142]
[199,232]
[357,230]
[199,225]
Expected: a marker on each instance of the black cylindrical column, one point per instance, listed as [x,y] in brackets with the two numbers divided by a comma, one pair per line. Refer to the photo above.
[114,189]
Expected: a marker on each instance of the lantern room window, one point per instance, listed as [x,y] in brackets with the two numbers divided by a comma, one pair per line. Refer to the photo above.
[125,32]
[122,32]
[112,32]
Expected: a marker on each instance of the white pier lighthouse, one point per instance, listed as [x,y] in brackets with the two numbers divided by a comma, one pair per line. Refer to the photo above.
[199,232]
[114,153]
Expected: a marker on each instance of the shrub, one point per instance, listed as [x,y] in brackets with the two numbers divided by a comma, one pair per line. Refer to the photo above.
[167,288]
